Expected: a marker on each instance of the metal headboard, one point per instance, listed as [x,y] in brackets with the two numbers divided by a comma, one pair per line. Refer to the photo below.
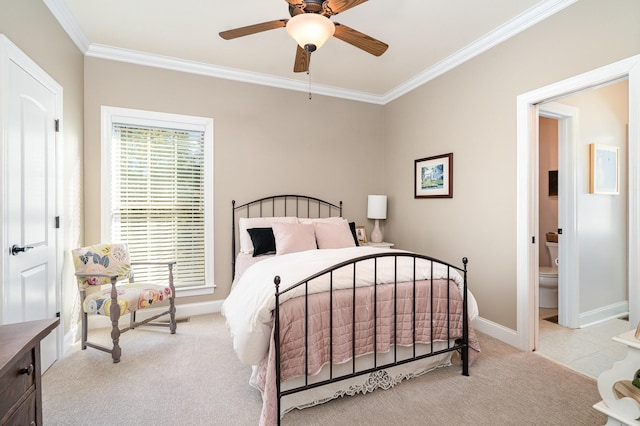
[279,205]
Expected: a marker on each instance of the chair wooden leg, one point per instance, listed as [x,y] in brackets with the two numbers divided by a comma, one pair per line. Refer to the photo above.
[172,315]
[114,311]
[172,302]
[132,320]
[84,330]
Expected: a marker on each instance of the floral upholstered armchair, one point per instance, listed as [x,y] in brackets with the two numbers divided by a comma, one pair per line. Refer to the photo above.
[102,264]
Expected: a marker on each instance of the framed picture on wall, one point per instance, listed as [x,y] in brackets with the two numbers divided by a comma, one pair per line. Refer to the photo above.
[604,174]
[433,177]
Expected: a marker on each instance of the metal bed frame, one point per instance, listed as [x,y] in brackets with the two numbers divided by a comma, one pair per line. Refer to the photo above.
[278,205]
[460,345]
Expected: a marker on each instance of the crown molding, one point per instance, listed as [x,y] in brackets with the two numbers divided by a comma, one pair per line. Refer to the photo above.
[63,14]
[511,28]
[192,67]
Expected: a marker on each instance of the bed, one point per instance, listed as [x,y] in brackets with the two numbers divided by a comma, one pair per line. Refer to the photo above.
[306,297]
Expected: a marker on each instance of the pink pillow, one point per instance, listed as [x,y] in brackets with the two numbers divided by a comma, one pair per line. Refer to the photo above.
[293,237]
[334,235]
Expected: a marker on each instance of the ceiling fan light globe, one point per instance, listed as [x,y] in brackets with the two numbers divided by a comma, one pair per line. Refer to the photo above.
[310,29]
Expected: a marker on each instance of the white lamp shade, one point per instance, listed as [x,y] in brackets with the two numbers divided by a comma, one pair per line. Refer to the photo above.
[377,207]
[310,28]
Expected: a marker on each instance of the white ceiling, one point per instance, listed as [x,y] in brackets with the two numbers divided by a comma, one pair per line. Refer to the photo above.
[425,38]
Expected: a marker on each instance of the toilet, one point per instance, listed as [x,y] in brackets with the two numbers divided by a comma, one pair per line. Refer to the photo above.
[549,279]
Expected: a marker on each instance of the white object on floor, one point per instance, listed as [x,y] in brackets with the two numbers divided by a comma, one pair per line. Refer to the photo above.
[621,411]
[548,279]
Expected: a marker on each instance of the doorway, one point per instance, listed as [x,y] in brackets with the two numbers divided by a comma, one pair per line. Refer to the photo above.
[548,200]
[31,251]
[527,248]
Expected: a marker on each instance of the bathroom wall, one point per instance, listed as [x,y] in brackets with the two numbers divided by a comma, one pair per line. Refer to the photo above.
[547,204]
[602,219]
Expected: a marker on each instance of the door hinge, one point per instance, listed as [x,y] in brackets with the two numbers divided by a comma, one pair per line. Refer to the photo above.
[58,314]
[57,222]
[533,240]
[57,125]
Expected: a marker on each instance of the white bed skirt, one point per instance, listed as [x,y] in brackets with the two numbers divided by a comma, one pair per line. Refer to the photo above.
[382,379]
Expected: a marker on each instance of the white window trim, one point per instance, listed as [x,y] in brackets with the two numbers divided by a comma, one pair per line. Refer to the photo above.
[109,115]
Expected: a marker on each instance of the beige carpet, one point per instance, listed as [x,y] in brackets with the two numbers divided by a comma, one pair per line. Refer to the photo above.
[194,378]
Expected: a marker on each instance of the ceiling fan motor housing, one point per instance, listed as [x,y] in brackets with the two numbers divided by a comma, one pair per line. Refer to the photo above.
[307,6]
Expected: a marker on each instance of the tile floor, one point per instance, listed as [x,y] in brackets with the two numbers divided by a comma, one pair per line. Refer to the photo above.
[588,350]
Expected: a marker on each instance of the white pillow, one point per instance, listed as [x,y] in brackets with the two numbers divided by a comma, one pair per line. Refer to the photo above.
[334,235]
[246,246]
[294,237]
[332,219]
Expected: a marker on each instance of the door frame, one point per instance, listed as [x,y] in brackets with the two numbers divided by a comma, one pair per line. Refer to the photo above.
[568,270]
[10,52]
[527,188]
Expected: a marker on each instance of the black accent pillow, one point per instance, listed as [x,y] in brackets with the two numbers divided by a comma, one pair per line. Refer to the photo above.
[352,226]
[263,241]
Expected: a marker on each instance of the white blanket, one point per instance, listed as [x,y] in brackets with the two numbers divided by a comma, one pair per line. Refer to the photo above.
[248,309]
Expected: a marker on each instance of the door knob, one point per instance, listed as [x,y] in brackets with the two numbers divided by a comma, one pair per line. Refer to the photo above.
[15,249]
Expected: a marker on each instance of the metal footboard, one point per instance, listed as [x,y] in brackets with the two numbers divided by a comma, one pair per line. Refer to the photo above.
[455,342]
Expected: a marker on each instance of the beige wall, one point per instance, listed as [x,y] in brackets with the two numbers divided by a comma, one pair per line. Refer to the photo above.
[471,111]
[271,140]
[267,141]
[602,230]
[30,26]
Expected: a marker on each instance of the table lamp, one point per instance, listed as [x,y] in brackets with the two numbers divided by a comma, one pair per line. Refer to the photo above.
[377,209]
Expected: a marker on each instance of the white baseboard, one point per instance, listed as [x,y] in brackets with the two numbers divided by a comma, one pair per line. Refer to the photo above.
[69,340]
[595,316]
[497,331]
[482,325]
[182,311]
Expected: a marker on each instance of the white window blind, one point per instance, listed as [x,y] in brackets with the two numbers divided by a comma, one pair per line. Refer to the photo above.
[158,199]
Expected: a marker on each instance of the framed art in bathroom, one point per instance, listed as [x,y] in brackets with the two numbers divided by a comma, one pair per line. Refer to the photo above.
[433,177]
[604,173]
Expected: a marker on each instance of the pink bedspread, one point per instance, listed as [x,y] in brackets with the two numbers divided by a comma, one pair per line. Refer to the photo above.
[292,324]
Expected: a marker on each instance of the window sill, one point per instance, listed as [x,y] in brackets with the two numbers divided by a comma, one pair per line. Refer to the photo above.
[195,291]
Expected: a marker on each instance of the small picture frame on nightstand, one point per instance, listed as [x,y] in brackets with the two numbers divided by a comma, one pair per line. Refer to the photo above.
[362,235]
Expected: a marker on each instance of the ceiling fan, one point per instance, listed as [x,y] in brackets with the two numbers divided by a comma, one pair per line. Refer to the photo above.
[320,10]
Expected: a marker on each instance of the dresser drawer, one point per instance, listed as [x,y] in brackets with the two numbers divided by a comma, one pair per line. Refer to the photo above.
[25,414]
[16,380]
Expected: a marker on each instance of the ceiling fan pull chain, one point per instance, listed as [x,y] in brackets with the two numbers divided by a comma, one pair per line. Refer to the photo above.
[309,75]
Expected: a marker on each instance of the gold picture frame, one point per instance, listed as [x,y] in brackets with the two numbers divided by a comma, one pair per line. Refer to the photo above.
[361,233]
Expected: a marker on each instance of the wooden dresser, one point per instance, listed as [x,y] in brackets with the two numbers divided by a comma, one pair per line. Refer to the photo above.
[20,375]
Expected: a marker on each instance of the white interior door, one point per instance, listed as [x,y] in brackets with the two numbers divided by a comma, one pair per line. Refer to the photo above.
[30,288]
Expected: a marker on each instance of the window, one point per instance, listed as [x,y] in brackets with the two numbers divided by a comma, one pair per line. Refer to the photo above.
[157,193]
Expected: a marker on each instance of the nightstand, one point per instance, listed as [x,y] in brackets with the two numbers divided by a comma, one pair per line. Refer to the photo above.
[379,245]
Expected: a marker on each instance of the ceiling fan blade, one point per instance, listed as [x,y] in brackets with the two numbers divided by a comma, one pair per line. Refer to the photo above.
[252,29]
[302,60]
[360,40]
[338,6]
